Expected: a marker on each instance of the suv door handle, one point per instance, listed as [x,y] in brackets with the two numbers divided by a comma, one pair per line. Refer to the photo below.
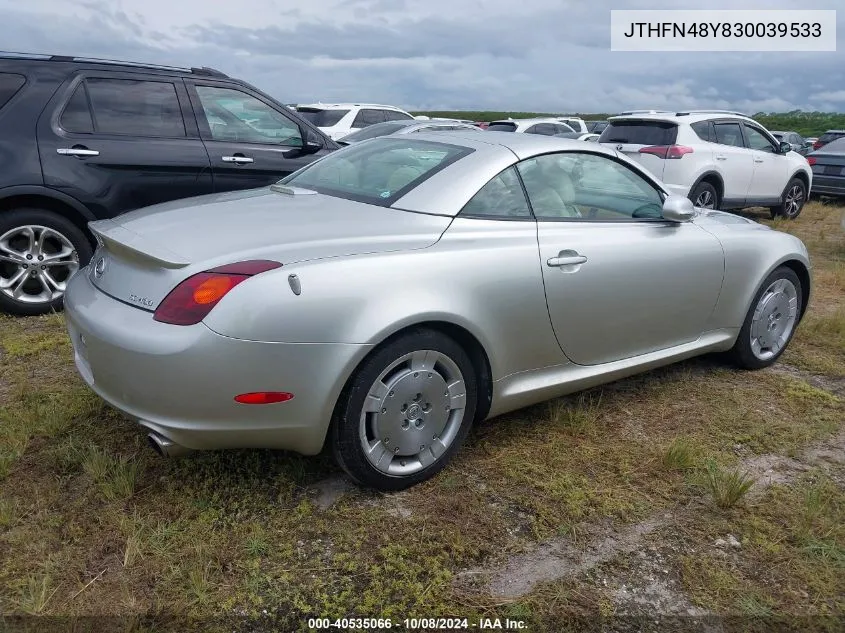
[238,159]
[567,260]
[759,160]
[721,157]
[77,151]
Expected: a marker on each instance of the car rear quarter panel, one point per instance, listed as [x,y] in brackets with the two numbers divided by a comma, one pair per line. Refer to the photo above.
[752,252]
[483,276]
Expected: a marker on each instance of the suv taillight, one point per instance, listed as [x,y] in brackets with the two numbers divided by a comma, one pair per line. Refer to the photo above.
[811,160]
[667,151]
[190,301]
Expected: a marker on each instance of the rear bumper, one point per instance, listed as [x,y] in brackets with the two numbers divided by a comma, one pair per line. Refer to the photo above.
[828,185]
[180,381]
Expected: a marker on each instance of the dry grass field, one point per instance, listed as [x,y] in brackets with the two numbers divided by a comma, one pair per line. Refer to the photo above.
[695,497]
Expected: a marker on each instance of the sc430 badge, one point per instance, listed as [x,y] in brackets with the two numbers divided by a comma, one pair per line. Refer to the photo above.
[147,303]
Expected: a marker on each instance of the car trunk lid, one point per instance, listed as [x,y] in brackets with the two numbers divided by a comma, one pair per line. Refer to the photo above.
[144,254]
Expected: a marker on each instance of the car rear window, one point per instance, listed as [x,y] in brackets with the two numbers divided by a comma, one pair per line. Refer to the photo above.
[640,133]
[827,137]
[501,127]
[10,83]
[379,171]
[322,118]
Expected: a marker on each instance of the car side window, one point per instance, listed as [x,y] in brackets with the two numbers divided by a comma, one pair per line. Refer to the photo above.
[756,140]
[588,187]
[501,198]
[238,117]
[393,115]
[729,134]
[135,107]
[367,117]
[704,130]
[76,116]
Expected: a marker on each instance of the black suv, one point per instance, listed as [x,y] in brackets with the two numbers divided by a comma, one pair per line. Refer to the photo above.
[84,139]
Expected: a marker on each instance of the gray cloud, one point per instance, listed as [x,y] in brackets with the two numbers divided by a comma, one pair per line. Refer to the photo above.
[549,55]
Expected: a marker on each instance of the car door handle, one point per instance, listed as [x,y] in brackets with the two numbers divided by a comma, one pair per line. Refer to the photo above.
[77,151]
[721,157]
[238,159]
[568,260]
[759,160]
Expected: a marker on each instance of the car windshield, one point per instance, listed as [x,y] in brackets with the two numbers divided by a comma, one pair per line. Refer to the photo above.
[376,130]
[378,171]
[322,118]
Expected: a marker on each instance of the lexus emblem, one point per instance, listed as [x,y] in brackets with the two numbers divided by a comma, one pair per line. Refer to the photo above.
[100,267]
[619,147]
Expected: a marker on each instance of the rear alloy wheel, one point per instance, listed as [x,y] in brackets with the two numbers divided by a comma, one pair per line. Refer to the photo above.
[407,411]
[705,196]
[770,322]
[39,251]
[792,201]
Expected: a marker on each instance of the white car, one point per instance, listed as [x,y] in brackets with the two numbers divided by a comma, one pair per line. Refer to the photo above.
[544,126]
[577,124]
[337,120]
[718,159]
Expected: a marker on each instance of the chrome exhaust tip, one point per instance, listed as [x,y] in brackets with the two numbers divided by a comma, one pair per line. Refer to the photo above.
[166,447]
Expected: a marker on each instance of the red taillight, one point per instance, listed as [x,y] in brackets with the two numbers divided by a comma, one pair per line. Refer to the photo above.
[811,160]
[817,144]
[667,151]
[190,301]
[263,397]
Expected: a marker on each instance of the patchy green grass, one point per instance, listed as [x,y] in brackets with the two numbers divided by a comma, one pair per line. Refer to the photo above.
[92,522]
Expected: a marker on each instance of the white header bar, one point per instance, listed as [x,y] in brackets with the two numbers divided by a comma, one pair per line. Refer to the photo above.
[728,31]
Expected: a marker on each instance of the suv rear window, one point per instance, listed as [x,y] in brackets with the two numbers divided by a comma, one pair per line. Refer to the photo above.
[10,83]
[501,127]
[322,118]
[640,133]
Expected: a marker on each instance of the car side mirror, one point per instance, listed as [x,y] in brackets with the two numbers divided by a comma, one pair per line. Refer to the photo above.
[678,209]
[307,148]
[785,147]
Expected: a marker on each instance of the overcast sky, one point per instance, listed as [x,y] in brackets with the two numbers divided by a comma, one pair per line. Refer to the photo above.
[546,55]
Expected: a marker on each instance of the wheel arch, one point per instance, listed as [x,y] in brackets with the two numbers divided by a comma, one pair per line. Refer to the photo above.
[49,200]
[714,179]
[801,175]
[803,273]
[467,340]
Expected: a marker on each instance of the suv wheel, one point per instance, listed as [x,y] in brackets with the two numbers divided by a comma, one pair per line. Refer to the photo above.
[704,195]
[39,251]
[792,200]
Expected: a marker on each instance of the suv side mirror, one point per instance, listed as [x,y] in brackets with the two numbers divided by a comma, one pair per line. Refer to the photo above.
[678,209]
[308,148]
[785,147]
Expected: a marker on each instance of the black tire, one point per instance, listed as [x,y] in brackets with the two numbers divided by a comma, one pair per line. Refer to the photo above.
[791,201]
[18,218]
[742,354]
[345,438]
[705,190]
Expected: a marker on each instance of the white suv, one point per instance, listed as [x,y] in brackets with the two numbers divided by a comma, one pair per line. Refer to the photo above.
[719,159]
[544,126]
[337,120]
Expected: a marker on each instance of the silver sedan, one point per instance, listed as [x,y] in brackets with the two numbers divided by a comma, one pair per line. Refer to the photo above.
[387,296]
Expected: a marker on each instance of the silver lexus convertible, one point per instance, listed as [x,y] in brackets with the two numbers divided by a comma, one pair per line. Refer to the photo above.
[385,297]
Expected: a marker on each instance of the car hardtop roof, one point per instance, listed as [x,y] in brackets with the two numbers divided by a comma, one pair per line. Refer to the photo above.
[203,71]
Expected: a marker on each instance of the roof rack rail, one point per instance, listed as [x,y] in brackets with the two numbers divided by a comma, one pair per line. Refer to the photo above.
[644,112]
[204,70]
[687,112]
